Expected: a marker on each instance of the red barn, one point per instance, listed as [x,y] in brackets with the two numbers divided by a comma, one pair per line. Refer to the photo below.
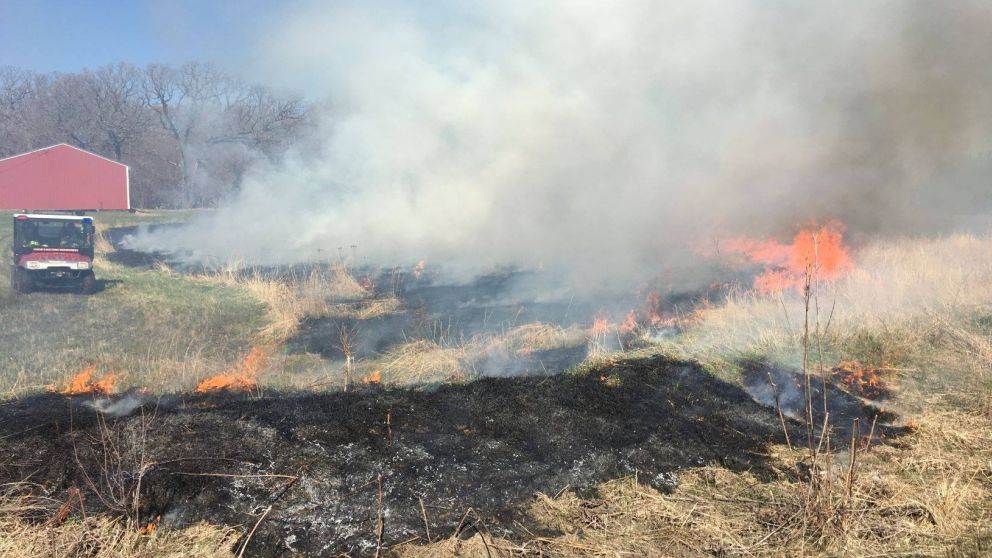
[63,177]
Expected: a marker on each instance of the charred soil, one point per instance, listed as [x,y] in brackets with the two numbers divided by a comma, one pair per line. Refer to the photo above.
[315,461]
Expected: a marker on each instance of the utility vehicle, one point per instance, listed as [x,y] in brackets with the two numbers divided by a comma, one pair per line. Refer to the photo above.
[53,250]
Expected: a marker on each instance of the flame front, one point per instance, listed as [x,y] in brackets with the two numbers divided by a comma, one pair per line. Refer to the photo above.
[240,378]
[373,378]
[86,383]
[820,250]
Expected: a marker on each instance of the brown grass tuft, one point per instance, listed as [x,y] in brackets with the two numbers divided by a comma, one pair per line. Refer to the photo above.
[425,361]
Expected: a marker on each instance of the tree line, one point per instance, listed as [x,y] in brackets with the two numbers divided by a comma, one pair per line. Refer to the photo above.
[189,132]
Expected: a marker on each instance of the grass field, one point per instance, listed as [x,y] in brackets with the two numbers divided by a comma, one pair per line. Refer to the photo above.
[149,327]
[916,310]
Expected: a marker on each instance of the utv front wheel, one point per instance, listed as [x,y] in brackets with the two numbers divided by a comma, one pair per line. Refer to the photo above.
[20,280]
[87,284]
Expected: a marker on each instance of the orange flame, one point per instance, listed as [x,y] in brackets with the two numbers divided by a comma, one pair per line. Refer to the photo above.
[418,270]
[860,380]
[652,308]
[600,325]
[241,377]
[149,529]
[84,383]
[629,323]
[373,378]
[603,329]
[822,250]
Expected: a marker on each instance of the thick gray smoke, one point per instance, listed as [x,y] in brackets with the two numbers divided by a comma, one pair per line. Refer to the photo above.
[594,137]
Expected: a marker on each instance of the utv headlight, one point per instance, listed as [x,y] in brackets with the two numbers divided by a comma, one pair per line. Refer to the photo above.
[84,265]
[34,265]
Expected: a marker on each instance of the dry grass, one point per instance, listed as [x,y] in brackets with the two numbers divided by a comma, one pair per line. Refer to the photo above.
[921,307]
[32,527]
[315,294]
[428,361]
[423,361]
[102,246]
[534,337]
[100,537]
[362,309]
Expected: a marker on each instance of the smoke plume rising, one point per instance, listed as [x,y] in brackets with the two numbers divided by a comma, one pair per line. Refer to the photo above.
[595,138]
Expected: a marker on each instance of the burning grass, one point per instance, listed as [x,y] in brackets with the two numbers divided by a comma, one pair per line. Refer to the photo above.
[240,378]
[863,381]
[86,382]
[908,305]
[786,264]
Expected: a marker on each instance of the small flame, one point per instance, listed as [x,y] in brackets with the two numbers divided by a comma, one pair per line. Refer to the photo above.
[85,383]
[860,380]
[373,378]
[240,378]
[149,529]
[418,270]
[822,250]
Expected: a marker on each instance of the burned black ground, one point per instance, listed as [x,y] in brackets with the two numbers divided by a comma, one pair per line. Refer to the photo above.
[489,445]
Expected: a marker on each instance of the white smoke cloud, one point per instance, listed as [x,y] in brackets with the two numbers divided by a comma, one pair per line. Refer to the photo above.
[596,137]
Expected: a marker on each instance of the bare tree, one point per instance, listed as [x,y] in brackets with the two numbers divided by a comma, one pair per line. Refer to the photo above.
[16,88]
[62,112]
[114,96]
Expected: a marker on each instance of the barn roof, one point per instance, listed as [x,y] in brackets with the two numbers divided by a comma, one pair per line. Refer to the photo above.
[63,145]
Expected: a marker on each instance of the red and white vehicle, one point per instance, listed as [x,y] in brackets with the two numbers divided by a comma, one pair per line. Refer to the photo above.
[52,250]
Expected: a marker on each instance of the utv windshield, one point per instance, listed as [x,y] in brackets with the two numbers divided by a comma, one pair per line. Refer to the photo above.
[54,233]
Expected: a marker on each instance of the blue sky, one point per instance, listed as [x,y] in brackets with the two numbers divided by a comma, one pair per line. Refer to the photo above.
[66,35]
